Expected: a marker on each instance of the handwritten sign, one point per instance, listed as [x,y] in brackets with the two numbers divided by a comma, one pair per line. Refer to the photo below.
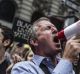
[20,29]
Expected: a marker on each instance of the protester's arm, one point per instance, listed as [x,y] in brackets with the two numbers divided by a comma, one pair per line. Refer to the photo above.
[72,49]
[63,67]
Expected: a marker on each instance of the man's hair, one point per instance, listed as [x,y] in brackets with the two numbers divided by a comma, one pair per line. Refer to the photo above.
[7,33]
[33,29]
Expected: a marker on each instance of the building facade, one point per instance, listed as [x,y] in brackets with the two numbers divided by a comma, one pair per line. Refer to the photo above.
[18,13]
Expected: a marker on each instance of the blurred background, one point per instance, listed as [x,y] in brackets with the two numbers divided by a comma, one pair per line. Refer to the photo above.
[20,14]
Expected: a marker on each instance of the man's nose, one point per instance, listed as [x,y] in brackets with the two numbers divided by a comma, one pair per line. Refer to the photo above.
[54,30]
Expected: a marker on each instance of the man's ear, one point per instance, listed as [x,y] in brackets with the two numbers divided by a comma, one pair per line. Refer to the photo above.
[34,42]
[7,42]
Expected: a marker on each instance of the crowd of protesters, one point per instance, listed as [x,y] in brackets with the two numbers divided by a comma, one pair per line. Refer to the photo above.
[11,51]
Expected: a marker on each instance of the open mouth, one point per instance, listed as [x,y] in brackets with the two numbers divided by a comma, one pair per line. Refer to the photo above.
[57,42]
[55,38]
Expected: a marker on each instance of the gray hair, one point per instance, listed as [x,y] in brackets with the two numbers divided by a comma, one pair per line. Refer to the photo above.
[33,29]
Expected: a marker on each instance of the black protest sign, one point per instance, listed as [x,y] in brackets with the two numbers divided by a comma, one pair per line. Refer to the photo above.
[20,29]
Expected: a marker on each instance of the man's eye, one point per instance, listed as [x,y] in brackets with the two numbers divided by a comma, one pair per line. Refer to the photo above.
[48,27]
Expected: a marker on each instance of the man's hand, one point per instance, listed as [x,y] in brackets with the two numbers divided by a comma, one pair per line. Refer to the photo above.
[72,49]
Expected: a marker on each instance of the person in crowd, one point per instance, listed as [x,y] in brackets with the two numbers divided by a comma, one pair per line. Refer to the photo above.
[42,41]
[29,54]
[6,39]
[16,56]
[19,53]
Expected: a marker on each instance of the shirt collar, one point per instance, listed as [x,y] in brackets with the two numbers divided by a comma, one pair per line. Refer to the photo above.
[37,59]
